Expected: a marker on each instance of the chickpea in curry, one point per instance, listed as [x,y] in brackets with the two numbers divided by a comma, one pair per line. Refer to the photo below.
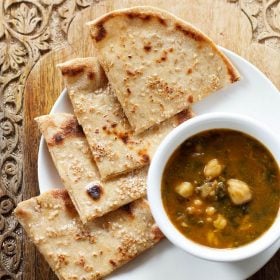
[221,188]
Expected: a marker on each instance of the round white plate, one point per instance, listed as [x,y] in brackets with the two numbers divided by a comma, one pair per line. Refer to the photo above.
[254,96]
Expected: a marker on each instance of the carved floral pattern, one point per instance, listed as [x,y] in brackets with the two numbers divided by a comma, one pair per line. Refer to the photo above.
[23,19]
[25,35]
[264,16]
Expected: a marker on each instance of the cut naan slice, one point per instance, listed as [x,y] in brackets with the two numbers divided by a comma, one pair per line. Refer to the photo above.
[114,145]
[72,157]
[76,251]
[157,64]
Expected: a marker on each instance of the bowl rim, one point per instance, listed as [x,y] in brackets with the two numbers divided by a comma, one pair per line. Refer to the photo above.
[176,137]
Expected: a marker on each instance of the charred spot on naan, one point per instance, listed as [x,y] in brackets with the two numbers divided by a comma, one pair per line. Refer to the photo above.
[128,91]
[68,129]
[113,263]
[133,73]
[95,191]
[22,213]
[91,75]
[163,57]
[234,76]
[133,15]
[128,209]
[144,156]
[61,194]
[190,98]
[189,33]
[124,136]
[148,47]
[74,70]
[184,116]
[162,21]
[58,138]
[145,159]
[100,32]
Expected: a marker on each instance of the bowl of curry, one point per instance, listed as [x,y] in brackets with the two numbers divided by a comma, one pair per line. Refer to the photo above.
[214,187]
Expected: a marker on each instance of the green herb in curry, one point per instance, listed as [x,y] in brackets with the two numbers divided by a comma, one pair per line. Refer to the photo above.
[221,188]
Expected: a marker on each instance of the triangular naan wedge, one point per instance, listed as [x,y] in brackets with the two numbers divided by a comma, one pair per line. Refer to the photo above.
[157,64]
[72,157]
[76,251]
[114,145]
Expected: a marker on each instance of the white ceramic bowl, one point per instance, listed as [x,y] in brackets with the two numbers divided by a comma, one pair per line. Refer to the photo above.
[165,150]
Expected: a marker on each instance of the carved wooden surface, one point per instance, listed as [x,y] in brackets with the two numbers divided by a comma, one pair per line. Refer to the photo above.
[37,34]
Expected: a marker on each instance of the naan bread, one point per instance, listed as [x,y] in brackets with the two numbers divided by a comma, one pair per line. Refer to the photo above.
[157,64]
[114,145]
[76,167]
[75,251]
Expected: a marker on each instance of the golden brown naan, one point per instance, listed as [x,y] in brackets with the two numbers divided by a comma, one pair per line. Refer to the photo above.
[75,251]
[72,157]
[114,145]
[157,64]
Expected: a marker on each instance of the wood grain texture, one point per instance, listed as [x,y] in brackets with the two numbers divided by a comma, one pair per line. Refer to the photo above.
[43,33]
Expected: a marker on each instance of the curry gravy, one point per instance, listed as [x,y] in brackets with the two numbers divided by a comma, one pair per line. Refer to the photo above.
[221,188]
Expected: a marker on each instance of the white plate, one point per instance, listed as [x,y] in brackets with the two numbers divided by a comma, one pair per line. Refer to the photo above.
[254,96]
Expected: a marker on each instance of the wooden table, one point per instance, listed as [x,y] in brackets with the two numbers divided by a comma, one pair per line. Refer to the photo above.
[37,34]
